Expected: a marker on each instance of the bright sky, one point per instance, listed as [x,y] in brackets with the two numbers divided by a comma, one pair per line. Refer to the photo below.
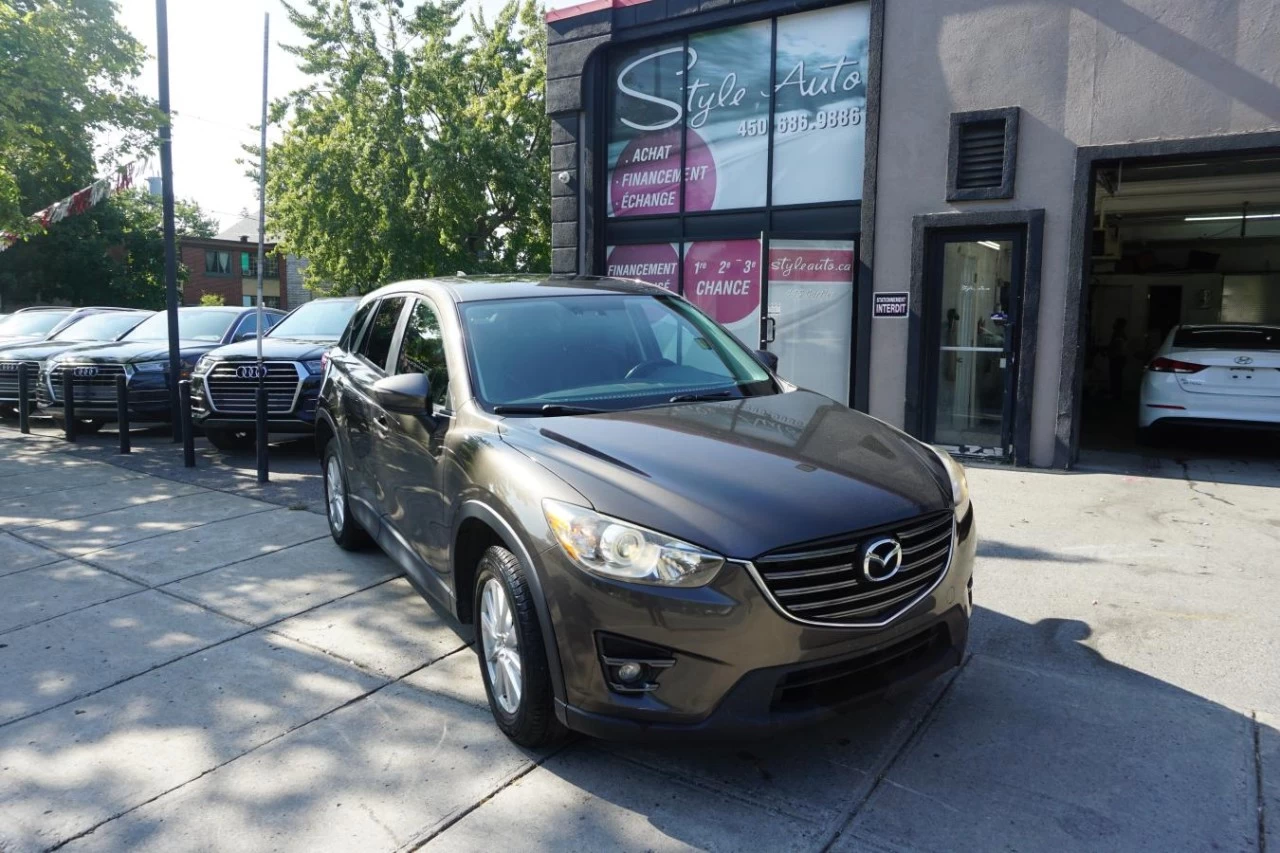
[215,89]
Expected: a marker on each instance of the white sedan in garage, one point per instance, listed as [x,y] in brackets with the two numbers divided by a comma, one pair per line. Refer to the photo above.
[1214,375]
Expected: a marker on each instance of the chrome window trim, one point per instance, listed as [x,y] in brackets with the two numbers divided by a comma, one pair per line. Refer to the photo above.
[946,570]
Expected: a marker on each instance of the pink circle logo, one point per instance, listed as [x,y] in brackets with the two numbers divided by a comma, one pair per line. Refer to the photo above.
[722,277]
[655,263]
[646,179]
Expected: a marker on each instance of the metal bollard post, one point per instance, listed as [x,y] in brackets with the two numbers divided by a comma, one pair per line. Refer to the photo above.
[188,436]
[68,404]
[261,433]
[24,399]
[122,414]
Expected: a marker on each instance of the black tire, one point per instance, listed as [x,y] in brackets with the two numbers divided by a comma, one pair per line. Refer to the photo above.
[89,427]
[231,440]
[533,723]
[10,410]
[347,532]
[1147,437]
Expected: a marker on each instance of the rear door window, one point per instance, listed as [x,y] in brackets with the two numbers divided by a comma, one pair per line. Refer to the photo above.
[377,343]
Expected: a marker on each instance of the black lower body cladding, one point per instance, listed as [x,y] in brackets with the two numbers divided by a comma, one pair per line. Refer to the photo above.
[727,661]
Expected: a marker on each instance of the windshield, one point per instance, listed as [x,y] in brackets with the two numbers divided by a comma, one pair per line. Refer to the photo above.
[106,326]
[32,322]
[323,320]
[194,324]
[606,352]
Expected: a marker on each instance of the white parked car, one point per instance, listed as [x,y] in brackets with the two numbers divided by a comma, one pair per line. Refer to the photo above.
[1218,375]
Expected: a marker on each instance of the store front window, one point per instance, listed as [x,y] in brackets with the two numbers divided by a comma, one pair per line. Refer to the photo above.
[733,176]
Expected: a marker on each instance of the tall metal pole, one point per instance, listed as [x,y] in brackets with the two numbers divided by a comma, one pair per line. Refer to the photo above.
[261,397]
[166,183]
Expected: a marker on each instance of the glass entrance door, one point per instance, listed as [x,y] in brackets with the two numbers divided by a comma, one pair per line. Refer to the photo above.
[974,287]
[810,312]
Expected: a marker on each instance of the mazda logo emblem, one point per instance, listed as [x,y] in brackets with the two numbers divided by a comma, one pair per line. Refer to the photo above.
[250,371]
[1244,359]
[881,560]
[84,372]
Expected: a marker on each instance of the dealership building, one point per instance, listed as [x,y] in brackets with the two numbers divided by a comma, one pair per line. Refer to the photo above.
[934,211]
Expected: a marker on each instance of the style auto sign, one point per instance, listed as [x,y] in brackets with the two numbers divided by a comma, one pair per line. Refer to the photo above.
[713,94]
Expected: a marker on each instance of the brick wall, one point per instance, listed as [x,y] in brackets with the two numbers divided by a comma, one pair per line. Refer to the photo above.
[229,287]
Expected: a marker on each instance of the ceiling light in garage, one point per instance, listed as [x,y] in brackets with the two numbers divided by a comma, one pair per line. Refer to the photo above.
[1232,217]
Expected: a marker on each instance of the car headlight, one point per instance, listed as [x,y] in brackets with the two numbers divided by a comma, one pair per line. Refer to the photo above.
[150,366]
[622,551]
[959,482]
[314,367]
[203,365]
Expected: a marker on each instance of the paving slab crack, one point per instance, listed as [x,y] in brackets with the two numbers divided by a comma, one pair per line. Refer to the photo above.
[917,732]
[444,824]
[347,704]
[1194,485]
[201,650]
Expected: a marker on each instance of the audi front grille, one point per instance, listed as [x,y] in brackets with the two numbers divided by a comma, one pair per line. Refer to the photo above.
[94,385]
[232,386]
[9,379]
[827,582]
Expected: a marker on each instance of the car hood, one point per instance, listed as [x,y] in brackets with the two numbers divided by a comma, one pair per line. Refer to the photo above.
[6,340]
[276,348]
[36,350]
[740,477]
[130,351]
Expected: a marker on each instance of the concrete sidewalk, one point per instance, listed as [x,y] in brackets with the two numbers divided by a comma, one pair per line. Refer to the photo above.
[185,667]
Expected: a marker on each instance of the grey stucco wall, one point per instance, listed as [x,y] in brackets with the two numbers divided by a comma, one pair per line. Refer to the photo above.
[1084,72]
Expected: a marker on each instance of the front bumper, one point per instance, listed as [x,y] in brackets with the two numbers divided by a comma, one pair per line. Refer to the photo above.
[147,393]
[740,666]
[298,418]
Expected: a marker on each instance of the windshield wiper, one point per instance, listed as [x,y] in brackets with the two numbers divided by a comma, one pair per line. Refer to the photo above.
[546,410]
[704,395]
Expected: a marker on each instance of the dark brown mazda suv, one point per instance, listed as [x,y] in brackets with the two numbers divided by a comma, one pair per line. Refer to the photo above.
[644,529]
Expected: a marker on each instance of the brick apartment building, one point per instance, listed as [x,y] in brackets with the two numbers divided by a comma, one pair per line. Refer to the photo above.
[227,265]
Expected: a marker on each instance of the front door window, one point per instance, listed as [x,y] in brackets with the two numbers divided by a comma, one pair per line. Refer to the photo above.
[973,291]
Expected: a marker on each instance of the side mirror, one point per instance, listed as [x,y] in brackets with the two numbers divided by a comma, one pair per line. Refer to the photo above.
[768,359]
[405,394]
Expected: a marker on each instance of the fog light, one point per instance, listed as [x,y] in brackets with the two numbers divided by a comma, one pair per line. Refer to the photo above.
[630,671]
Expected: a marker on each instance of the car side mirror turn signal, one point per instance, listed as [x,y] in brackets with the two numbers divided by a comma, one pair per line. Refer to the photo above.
[404,394]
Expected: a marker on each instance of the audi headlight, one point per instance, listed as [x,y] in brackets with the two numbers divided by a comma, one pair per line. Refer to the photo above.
[622,551]
[314,367]
[150,366]
[959,483]
[203,365]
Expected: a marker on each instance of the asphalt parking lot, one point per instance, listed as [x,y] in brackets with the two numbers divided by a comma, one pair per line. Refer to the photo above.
[186,662]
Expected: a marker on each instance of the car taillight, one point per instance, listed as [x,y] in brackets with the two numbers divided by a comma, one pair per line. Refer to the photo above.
[1172,365]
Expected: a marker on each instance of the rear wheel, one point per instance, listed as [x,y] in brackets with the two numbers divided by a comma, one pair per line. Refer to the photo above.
[344,528]
[231,439]
[513,662]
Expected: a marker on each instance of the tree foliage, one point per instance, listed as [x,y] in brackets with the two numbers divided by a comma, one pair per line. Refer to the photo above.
[66,68]
[419,148]
[111,255]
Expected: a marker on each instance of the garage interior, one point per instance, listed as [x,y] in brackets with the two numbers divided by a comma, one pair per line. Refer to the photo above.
[1193,240]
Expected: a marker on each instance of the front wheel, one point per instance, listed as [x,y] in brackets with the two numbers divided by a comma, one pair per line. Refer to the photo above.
[343,527]
[513,662]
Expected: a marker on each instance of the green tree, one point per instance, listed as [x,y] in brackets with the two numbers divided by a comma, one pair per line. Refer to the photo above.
[66,68]
[212,299]
[418,148]
[111,255]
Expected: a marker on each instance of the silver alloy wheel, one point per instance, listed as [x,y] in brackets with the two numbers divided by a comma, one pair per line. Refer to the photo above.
[333,492]
[501,645]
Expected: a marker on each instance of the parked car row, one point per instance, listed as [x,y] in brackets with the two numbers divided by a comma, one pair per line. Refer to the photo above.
[217,351]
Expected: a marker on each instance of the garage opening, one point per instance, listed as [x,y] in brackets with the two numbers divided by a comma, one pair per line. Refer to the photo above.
[1183,285]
